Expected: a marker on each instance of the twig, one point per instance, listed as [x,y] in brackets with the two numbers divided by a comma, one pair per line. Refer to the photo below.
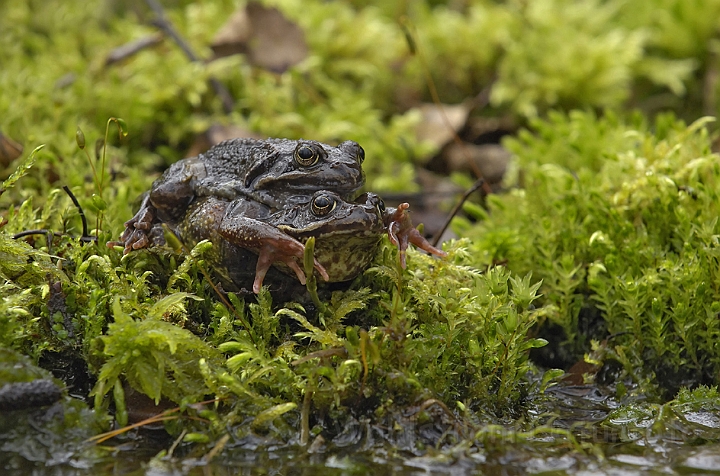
[85,238]
[305,418]
[434,401]
[164,416]
[175,444]
[217,448]
[80,211]
[41,231]
[129,49]
[478,183]
[710,80]
[162,23]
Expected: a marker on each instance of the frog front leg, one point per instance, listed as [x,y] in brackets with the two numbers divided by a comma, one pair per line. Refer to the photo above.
[401,231]
[175,190]
[271,245]
[137,228]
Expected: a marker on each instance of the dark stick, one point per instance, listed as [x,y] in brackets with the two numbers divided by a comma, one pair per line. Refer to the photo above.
[44,231]
[49,234]
[162,23]
[478,183]
[80,211]
[129,49]
[41,231]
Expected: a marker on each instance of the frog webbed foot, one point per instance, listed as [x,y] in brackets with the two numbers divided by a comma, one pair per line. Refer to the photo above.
[401,232]
[286,251]
[137,229]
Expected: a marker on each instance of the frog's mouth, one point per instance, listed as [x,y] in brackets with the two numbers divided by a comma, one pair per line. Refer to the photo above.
[342,181]
[359,221]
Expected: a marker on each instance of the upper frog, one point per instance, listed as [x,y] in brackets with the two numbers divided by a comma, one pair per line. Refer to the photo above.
[272,172]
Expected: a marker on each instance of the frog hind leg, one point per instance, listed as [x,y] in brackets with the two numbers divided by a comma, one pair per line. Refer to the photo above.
[271,244]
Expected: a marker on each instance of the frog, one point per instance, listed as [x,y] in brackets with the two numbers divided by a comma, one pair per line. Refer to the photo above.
[347,236]
[274,173]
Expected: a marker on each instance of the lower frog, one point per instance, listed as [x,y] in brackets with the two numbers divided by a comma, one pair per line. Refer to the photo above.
[249,239]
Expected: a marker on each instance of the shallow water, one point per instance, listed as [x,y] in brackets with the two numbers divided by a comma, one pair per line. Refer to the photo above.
[612,438]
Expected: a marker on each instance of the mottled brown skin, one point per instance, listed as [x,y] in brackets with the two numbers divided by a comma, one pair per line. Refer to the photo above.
[259,201]
[273,172]
[347,235]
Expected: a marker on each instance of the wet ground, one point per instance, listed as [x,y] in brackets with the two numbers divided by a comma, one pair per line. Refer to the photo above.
[573,430]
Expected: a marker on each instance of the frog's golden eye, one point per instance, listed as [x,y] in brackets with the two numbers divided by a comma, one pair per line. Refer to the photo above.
[322,205]
[306,155]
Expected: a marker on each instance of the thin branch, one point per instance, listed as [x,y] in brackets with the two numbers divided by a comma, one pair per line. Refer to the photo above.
[164,24]
[477,185]
[80,211]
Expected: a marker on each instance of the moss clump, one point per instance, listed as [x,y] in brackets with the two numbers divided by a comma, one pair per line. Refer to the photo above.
[620,223]
[436,331]
[610,235]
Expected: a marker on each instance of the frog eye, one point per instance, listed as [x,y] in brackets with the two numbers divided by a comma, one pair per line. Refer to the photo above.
[306,155]
[360,155]
[322,205]
[381,206]
[354,150]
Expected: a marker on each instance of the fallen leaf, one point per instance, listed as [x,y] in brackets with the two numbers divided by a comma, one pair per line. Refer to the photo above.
[440,123]
[575,375]
[490,160]
[265,35]
[234,36]
[141,407]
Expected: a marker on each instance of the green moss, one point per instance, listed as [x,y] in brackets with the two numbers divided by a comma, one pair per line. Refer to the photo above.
[621,228]
[609,234]
[437,330]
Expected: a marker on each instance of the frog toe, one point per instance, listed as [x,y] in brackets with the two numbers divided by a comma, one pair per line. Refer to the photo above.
[402,232]
[268,256]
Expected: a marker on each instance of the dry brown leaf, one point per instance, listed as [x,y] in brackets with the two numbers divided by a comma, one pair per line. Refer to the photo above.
[491,160]
[440,123]
[265,35]
[141,407]
[575,375]
[233,36]
[9,150]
